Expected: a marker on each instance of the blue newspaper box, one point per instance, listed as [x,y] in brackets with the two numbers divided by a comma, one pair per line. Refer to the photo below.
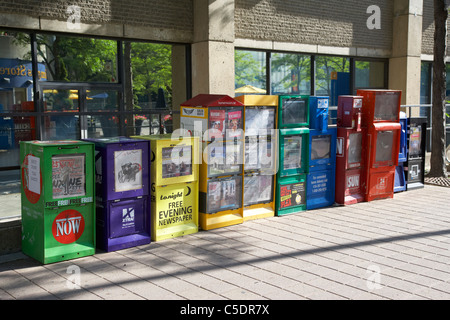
[320,186]
[318,112]
[400,178]
[320,189]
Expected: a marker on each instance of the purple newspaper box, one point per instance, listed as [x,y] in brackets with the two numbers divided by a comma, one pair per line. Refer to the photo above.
[122,171]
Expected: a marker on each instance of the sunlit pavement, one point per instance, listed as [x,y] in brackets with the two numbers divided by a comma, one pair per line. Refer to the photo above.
[385,249]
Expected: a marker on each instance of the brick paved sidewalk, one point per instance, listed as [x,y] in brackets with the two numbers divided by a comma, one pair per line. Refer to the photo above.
[385,249]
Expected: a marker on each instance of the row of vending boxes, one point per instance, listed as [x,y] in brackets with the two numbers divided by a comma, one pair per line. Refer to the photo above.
[222,200]
[78,193]
[81,195]
[60,206]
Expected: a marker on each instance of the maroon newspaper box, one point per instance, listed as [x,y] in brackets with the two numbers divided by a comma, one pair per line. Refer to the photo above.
[350,165]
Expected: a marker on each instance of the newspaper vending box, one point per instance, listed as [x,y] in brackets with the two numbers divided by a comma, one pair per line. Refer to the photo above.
[381,116]
[218,121]
[260,155]
[415,164]
[322,156]
[350,151]
[58,199]
[174,185]
[122,176]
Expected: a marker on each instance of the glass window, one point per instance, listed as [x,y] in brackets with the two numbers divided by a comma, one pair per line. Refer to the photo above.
[293,110]
[16,96]
[369,74]
[425,88]
[354,148]
[78,59]
[250,72]
[320,147]
[104,126]
[425,83]
[59,127]
[292,152]
[290,73]
[151,78]
[61,100]
[257,189]
[176,161]
[326,67]
[385,141]
[151,69]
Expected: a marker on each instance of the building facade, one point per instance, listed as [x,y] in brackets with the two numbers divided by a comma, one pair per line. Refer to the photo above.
[80,69]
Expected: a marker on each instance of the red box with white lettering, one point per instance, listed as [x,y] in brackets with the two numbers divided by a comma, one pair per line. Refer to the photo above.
[350,165]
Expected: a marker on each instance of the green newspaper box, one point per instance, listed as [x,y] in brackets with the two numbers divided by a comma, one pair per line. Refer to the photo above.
[58,204]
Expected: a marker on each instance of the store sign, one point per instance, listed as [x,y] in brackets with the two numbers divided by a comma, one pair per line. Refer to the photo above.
[68,226]
[19,70]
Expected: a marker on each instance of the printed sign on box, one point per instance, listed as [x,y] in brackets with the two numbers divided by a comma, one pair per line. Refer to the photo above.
[68,176]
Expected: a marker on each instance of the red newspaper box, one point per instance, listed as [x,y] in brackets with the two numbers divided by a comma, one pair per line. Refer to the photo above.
[379,106]
[384,144]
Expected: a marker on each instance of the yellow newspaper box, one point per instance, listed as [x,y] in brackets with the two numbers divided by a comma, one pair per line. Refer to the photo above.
[260,155]
[174,185]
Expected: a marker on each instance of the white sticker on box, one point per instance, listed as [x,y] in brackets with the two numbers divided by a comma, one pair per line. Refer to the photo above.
[34,177]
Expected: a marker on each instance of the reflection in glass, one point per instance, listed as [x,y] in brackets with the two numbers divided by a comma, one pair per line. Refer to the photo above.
[78,59]
[102,100]
[61,100]
[103,126]
[250,72]
[151,67]
[320,147]
[257,189]
[290,73]
[61,127]
[12,131]
[16,78]
[176,161]
[325,65]
[294,110]
[385,140]
[386,106]
[369,74]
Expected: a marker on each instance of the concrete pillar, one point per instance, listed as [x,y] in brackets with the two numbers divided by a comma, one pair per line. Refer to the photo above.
[213,47]
[405,63]
[179,94]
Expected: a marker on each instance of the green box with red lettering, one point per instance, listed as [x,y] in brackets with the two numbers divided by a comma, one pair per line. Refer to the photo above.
[58,199]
